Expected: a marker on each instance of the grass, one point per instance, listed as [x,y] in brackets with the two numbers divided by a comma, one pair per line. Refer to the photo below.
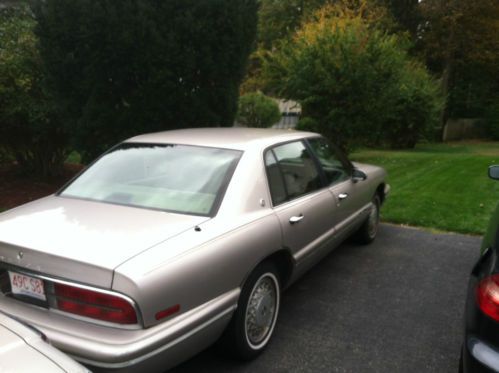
[439,186]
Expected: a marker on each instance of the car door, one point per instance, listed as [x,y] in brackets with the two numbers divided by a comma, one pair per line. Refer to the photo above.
[349,193]
[304,205]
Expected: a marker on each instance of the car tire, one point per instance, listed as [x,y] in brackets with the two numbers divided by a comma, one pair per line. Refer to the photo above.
[253,322]
[369,229]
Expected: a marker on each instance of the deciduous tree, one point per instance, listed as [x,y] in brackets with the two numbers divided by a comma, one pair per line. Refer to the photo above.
[406,14]
[460,36]
[355,83]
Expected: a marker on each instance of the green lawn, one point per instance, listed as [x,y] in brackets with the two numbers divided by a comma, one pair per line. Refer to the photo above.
[439,186]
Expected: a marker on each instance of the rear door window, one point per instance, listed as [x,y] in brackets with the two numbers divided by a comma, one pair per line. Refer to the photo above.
[291,171]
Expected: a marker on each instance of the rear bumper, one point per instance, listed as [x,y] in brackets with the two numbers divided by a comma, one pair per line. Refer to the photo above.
[155,348]
[479,357]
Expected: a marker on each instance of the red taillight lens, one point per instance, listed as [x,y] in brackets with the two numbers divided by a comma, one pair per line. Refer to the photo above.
[93,304]
[487,294]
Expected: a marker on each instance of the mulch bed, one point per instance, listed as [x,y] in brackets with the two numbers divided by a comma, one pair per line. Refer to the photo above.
[17,189]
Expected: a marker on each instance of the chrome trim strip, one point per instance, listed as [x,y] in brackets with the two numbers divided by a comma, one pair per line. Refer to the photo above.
[299,256]
[348,222]
[323,239]
[138,325]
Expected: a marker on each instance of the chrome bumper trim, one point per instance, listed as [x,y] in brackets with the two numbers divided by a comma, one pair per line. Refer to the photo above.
[483,353]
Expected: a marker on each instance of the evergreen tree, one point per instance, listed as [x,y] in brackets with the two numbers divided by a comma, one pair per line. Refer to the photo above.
[124,67]
[30,128]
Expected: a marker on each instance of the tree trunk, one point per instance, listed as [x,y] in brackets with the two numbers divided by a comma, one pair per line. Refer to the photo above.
[444,114]
[446,82]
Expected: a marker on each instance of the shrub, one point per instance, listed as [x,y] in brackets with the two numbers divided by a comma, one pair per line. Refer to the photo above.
[257,110]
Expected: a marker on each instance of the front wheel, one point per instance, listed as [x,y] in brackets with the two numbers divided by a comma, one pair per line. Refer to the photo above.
[369,229]
[254,320]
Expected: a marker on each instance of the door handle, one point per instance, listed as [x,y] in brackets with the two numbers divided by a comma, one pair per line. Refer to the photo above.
[296,219]
[342,196]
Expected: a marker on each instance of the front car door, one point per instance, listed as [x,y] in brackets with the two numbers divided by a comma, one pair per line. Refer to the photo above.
[352,197]
[306,208]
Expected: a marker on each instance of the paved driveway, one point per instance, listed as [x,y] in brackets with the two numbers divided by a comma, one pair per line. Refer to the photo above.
[393,306]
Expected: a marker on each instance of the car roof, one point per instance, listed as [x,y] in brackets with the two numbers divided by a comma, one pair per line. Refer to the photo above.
[230,137]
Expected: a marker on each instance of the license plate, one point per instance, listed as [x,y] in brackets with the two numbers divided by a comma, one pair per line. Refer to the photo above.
[27,285]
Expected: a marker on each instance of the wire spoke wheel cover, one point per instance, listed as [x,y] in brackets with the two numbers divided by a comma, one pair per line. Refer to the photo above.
[373,221]
[262,310]
[369,228]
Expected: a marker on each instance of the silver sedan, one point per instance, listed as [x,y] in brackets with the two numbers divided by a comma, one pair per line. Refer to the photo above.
[172,240]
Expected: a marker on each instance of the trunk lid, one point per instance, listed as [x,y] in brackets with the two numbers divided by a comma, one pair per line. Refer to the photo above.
[83,240]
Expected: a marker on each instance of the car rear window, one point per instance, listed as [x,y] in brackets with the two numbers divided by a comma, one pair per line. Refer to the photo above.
[177,178]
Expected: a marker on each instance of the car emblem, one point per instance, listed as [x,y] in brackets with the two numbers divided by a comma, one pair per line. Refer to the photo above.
[20,255]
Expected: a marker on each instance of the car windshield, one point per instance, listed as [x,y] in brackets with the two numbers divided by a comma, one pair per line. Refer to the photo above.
[176,178]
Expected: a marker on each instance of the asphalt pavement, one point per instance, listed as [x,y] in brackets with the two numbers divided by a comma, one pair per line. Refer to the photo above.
[393,306]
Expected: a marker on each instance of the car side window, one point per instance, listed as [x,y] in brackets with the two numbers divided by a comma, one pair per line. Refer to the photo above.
[291,171]
[276,182]
[334,169]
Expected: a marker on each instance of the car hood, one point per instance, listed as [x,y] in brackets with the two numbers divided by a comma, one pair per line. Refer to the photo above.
[83,240]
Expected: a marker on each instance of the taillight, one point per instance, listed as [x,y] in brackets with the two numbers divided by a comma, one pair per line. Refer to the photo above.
[96,305]
[487,294]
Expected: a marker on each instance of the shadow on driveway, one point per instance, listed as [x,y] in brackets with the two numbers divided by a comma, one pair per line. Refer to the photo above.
[393,306]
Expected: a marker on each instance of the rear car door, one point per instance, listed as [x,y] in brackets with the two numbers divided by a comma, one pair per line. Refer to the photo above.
[306,209]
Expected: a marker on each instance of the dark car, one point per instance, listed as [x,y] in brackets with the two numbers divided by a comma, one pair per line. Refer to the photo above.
[481,341]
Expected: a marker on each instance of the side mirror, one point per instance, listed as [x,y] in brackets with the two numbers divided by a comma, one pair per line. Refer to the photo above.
[494,172]
[358,175]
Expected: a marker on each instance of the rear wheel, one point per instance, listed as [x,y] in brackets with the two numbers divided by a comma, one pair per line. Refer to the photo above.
[254,320]
[369,229]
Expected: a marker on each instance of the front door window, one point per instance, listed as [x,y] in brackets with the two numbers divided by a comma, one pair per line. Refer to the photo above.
[334,168]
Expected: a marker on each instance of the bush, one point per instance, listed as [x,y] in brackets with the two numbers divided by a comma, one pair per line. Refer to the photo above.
[120,68]
[257,110]
[415,109]
[30,128]
[355,82]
